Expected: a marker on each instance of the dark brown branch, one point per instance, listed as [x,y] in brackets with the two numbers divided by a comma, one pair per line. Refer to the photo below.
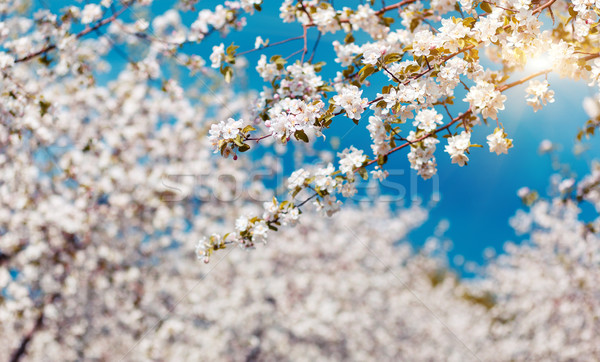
[22,350]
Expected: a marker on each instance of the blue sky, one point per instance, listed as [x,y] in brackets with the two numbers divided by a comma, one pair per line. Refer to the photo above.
[477,199]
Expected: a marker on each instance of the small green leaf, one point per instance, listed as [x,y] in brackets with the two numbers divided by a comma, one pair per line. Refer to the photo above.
[326,88]
[391,58]
[572,12]
[318,66]
[349,38]
[366,71]
[414,23]
[238,140]
[388,21]
[468,22]
[301,136]
[296,191]
[248,128]
[44,107]
[363,173]
[231,49]
[486,7]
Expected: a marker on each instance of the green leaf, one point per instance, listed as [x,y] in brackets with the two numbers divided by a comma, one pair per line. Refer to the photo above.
[45,60]
[413,24]
[391,58]
[363,173]
[572,12]
[486,7]
[326,88]
[318,66]
[244,147]
[44,107]
[238,141]
[296,191]
[248,128]
[349,38]
[388,21]
[88,145]
[231,49]
[327,119]
[301,136]
[366,71]
[413,68]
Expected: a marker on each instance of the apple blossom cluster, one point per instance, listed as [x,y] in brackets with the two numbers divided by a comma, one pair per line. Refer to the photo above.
[294,117]
[498,142]
[351,159]
[564,60]
[421,155]
[314,293]
[457,146]
[427,120]
[349,98]
[325,182]
[539,94]
[295,81]
[379,136]
[91,13]
[225,137]
[249,231]
[484,98]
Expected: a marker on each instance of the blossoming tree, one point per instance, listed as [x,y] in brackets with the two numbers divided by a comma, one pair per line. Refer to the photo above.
[418,53]
[110,122]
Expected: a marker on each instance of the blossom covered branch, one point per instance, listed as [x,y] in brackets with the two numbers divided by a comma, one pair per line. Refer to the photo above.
[417,65]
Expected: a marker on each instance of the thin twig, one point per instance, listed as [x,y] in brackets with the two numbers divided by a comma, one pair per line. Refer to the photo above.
[315,48]
[79,35]
[271,45]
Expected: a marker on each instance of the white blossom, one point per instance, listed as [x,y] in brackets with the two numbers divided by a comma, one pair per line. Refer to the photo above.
[91,13]
[217,56]
[485,99]
[457,146]
[350,159]
[540,94]
[349,98]
[427,120]
[498,142]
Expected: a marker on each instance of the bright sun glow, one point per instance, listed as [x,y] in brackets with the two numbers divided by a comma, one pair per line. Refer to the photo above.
[538,63]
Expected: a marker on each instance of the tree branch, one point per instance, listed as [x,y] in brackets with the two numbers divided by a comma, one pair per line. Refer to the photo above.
[79,35]
[22,349]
